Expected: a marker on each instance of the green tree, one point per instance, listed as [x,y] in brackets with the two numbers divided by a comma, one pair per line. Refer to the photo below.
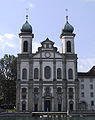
[8,76]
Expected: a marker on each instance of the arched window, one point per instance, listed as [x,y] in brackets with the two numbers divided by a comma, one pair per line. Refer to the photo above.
[24,73]
[68,46]
[59,73]
[36,72]
[47,72]
[70,73]
[25,46]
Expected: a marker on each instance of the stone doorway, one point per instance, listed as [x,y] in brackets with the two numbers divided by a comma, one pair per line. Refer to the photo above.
[23,106]
[71,106]
[47,106]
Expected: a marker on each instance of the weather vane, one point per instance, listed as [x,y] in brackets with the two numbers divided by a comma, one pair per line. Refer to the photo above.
[66,14]
[27,14]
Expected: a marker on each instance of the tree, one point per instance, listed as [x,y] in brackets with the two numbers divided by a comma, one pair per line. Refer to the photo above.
[8,76]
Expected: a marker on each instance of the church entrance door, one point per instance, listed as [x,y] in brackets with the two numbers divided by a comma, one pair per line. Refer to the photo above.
[47,106]
[23,106]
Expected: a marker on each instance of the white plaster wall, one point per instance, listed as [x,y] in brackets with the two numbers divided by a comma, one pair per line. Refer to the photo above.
[24,65]
[87,98]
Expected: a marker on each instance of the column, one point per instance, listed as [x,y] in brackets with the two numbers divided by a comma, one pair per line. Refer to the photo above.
[54,68]
[64,85]
[18,70]
[76,95]
[18,97]
[55,97]
[40,97]
[18,87]
[30,98]
[31,70]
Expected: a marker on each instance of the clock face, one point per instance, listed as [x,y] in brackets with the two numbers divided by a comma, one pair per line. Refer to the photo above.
[47,54]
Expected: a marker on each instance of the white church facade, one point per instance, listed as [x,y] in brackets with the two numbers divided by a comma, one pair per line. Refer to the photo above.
[48,80]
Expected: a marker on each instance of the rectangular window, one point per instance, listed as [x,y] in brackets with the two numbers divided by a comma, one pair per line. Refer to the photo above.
[82,86]
[92,103]
[82,94]
[91,86]
[91,94]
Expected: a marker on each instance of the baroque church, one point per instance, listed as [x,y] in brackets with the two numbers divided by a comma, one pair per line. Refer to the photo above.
[48,80]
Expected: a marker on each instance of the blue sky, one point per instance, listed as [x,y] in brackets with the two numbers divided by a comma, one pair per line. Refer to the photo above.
[47,18]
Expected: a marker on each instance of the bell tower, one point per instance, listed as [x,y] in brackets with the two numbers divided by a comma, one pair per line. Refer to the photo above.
[67,37]
[26,37]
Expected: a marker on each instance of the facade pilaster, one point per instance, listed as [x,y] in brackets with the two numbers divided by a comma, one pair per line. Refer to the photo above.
[31,70]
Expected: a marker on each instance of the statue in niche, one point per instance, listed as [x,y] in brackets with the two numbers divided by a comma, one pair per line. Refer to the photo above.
[59,98]
[36,98]
[47,91]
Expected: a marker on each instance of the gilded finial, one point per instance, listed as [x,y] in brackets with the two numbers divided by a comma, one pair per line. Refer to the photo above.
[66,15]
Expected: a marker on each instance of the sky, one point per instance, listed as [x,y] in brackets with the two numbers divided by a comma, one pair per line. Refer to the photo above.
[47,18]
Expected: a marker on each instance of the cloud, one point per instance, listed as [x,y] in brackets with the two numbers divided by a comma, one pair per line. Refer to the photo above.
[10,45]
[10,36]
[7,40]
[85,64]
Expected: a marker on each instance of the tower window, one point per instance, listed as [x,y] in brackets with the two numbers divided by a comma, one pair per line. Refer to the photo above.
[59,73]
[36,73]
[25,46]
[47,72]
[68,46]
[24,73]
[70,73]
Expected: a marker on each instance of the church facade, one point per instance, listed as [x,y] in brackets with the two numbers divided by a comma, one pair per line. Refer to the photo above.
[48,80]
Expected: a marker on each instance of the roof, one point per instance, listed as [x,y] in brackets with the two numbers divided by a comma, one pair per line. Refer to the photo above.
[90,73]
[47,41]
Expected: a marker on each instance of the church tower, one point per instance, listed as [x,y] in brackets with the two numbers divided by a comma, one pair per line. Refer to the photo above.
[26,37]
[70,66]
[67,37]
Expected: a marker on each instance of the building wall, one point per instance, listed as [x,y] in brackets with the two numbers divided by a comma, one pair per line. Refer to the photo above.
[85,87]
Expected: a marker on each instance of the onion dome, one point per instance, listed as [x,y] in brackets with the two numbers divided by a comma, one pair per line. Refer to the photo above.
[26,27]
[67,27]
